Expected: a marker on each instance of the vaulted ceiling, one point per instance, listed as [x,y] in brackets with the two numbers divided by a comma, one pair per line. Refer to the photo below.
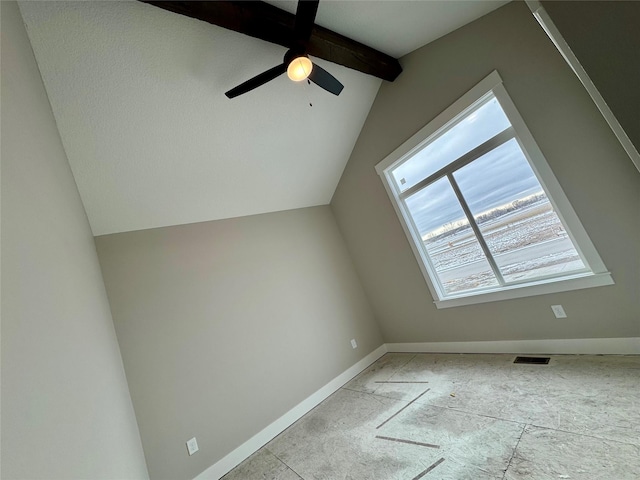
[138,96]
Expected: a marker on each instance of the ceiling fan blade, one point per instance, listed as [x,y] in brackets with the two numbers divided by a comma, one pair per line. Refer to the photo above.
[324,79]
[257,81]
[305,16]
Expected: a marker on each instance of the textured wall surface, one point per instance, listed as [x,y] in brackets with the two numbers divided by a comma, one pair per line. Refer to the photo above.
[597,176]
[66,410]
[225,326]
[138,96]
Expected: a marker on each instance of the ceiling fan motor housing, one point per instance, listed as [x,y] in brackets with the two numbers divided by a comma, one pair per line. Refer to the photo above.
[292,54]
[299,42]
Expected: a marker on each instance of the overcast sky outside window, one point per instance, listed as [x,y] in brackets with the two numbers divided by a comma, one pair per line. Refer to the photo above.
[498,177]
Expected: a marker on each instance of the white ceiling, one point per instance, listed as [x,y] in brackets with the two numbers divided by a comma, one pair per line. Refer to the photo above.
[138,97]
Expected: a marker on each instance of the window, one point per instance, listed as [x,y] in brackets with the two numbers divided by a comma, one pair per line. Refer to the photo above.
[485,216]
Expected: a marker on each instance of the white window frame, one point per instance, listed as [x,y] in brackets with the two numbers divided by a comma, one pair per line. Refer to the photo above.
[597,274]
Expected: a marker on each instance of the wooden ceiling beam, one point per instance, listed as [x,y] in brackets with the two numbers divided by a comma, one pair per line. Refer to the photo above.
[269,23]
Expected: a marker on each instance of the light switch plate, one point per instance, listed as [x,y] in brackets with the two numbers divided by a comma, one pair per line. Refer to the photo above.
[354,344]
[558,311]
[192,446]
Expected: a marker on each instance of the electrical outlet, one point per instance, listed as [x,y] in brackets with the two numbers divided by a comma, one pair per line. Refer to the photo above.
[558,311]
[192,446]
[353,343]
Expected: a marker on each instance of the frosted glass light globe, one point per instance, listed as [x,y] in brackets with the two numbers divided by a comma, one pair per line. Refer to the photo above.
[299,69]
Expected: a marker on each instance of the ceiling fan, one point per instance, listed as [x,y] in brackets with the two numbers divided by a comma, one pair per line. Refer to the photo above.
[296,62]
[298,34]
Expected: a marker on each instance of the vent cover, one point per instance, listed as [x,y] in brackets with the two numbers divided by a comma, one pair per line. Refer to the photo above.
[532,360]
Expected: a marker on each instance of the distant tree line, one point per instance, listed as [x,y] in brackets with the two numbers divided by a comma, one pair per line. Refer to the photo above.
[515,205]
[452,228]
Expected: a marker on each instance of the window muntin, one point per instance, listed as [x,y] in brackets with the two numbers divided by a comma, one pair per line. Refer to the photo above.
[521,203]
[523,232]
[439,228]
[483,121]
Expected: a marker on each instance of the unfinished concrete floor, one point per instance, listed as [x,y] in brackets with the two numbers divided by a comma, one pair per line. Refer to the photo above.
[455,417]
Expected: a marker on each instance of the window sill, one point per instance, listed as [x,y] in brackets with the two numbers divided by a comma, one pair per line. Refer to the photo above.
[565,284]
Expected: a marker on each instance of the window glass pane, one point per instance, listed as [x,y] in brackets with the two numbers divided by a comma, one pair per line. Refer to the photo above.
[449,240]
[516,219]
[473,130]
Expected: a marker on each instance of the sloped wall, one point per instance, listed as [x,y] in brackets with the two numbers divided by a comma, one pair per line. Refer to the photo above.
[66,409]
[597,176]
[604,36]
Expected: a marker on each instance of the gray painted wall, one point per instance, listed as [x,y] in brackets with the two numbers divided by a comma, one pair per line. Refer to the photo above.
[604,36]
[225,326]
[66,410]
[595,173]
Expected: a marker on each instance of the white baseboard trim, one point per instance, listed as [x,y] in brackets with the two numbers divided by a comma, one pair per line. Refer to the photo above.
[224,465]
[594,346]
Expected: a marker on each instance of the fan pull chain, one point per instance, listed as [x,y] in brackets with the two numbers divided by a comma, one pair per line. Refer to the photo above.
[308,83]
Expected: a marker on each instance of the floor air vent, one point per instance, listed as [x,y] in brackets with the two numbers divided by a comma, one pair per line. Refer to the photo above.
[532,360]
